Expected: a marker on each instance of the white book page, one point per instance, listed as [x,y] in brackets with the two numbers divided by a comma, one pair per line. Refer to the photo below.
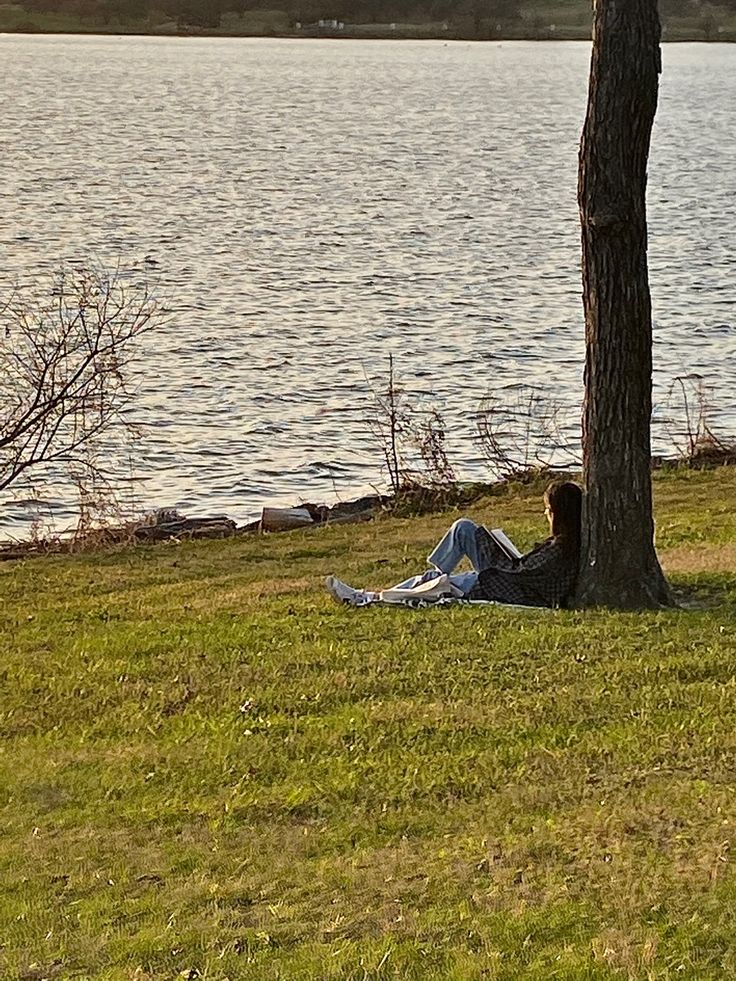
[506,544]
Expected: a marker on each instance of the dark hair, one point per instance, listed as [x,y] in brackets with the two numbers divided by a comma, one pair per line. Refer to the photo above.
[565,501]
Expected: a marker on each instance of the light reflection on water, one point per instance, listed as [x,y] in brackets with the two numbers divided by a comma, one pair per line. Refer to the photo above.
[309,207]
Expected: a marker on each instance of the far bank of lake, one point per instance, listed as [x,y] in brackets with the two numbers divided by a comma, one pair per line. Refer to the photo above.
[16,20]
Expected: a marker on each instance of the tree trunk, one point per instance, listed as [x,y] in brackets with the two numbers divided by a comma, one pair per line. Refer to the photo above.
[619,566]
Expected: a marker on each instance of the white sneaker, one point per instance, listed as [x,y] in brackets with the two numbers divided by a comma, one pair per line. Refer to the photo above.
[343,593]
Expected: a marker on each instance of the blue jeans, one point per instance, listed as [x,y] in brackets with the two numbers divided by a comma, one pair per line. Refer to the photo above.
[457,544]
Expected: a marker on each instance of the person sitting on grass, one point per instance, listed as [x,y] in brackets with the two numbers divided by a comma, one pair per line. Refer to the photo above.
[545,576]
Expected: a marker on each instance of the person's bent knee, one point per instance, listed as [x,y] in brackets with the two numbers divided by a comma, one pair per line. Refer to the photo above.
[464,526]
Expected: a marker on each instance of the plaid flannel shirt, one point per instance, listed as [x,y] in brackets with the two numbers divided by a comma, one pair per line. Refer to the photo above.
[543,577]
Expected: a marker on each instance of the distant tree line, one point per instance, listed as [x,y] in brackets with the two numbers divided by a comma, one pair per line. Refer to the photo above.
[467,18]
[472,16]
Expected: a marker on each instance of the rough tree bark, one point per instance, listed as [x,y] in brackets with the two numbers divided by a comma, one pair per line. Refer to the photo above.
[619,566]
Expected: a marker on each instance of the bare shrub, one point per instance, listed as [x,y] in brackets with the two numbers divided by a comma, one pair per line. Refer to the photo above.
[388,421]
[65,364]
[412,441]
[107,511]
[524,436]
[427,435]
[690,410]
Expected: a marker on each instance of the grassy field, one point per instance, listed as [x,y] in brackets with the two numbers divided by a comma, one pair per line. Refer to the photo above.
[210,770]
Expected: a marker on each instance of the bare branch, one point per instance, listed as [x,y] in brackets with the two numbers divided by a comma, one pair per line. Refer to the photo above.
[523,432]
[63,362]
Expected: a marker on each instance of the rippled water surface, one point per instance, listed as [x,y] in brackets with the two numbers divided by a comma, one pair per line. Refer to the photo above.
[309,207]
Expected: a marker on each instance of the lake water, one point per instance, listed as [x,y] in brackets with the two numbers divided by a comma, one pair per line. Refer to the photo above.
[309,207]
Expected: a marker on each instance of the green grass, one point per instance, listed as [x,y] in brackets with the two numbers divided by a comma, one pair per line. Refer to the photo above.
[208,769]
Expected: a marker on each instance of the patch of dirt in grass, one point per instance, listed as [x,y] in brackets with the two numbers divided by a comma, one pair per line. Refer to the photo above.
[699,558]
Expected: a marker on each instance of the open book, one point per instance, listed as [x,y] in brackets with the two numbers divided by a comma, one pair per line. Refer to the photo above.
[504,543]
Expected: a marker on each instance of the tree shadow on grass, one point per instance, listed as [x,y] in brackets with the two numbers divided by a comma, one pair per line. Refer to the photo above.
[705,591]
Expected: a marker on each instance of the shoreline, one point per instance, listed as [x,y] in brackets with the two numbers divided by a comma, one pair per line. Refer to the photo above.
[168,525]
[572,33]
